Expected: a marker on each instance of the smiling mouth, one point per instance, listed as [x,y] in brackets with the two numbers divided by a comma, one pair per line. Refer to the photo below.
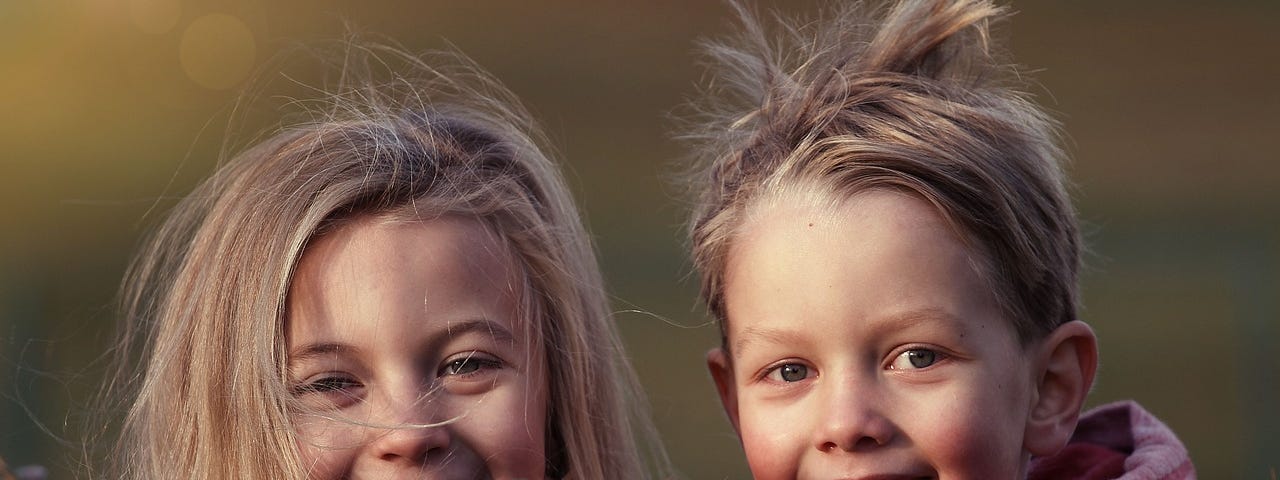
[482,474]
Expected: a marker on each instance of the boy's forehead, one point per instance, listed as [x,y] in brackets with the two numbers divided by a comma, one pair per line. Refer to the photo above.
[791,213]
[793,222]
[793,201]
[881,260]
[816,208]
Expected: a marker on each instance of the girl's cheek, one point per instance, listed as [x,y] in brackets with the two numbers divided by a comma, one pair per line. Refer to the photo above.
[509,430]
[327,448]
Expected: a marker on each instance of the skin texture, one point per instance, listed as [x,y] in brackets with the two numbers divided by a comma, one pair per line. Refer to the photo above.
[393,325]
[863,341]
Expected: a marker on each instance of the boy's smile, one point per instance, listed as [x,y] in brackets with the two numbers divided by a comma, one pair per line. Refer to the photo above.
[865,343]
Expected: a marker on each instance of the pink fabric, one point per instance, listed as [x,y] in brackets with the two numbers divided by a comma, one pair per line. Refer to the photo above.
[1118,441]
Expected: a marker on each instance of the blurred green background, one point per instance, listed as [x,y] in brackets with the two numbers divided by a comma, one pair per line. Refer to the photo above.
[111,107]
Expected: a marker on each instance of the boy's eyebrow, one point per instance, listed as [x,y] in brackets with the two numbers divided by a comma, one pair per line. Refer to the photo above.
[912,318]
[752,335]
[883,325]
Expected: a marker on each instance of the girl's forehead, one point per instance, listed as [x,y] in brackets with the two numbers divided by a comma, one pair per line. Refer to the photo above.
[369,271]
[453,244]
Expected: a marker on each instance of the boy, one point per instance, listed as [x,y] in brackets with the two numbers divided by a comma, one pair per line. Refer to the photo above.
[886,240]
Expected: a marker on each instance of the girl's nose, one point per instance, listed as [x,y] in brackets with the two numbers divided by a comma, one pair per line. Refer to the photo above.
[413,430]
[854,420]
[412,444]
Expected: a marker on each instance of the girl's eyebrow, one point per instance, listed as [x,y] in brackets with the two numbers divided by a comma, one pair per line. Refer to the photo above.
[496,330]
[307,352]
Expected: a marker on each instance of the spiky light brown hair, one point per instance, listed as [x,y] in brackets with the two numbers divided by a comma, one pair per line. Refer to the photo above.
[912,98]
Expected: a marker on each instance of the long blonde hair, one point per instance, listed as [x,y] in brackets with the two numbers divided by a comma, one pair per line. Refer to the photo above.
[204,300]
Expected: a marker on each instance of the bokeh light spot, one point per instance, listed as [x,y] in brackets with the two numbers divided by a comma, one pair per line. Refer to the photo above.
[217,51]
[155,16]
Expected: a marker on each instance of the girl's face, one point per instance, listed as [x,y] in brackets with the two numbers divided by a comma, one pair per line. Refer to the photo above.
[866,345]
[408,355]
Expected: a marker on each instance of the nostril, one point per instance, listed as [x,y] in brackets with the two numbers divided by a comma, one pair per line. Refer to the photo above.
[863,443]
[869,442]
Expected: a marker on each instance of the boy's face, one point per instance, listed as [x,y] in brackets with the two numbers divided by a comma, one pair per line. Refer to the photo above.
[864,343]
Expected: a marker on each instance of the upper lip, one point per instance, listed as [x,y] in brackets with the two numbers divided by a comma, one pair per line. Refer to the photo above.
[886,476]
[884,469]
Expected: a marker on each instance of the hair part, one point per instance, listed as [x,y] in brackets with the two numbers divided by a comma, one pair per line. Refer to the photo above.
[911,98]
[202,350]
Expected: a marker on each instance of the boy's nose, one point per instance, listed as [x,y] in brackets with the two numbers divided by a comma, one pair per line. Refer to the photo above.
[854,420]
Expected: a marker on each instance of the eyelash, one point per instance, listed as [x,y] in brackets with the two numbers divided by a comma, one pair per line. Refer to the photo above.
[768,372]
[475,360]
[329,383]
[937,357]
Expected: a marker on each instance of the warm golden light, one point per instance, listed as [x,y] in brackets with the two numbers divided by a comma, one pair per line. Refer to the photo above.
[217,51]
[155,16]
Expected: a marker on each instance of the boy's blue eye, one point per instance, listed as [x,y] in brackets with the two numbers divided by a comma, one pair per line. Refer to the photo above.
[790,372]
[793,373]
[920,358]
[915,358]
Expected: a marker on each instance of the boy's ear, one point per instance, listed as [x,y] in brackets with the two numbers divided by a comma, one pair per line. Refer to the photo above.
[721,368]
[1067,360]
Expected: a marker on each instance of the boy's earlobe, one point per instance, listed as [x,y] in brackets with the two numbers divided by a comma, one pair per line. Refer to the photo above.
[721,368]
[1067,360]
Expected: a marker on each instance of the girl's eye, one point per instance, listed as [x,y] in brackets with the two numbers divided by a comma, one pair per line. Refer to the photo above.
[327,385]
[789,373]
[468,363]
[915,358]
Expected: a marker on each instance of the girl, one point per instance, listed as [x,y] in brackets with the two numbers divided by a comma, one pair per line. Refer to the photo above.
[398,286]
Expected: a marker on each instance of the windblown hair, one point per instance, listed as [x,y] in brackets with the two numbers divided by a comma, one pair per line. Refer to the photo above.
[910,98]
[205,300]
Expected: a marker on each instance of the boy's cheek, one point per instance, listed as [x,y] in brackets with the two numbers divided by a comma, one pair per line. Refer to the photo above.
[772,439]
[972,436]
